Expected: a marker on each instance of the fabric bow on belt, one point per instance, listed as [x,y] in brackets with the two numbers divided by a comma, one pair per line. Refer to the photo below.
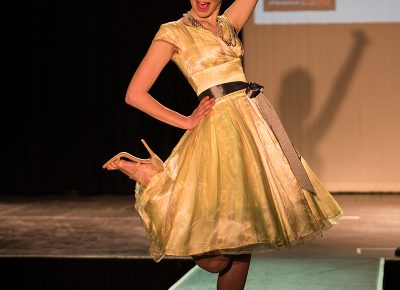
[253,89]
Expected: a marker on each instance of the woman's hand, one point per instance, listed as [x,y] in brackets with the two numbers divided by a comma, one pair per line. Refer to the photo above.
[202,110]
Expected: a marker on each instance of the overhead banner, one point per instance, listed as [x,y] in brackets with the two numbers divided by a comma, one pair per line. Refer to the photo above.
[326,11]
[288,5]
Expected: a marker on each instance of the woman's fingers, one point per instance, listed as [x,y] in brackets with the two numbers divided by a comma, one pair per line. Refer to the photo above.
[202,110]
[206,100]
[205,104]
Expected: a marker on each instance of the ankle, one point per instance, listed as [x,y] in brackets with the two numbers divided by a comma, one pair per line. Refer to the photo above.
[144,173]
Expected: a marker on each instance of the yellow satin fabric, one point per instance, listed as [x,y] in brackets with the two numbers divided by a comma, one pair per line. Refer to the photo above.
[204,59]
[227,187]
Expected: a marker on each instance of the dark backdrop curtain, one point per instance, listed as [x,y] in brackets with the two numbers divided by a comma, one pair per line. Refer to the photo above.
[73,117]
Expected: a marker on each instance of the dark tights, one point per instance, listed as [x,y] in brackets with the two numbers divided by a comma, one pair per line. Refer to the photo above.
[232,269]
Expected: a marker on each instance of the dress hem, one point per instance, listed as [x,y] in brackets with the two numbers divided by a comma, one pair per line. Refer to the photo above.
[259,247]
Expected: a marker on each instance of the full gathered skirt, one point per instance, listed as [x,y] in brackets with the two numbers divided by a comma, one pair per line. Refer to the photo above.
[227,188]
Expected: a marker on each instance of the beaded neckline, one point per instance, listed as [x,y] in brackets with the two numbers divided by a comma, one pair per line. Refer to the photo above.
[231,41]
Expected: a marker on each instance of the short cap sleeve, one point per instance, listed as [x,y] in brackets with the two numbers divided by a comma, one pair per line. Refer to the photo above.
[167,33]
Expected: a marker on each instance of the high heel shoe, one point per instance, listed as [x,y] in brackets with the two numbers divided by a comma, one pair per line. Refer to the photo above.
[154,160]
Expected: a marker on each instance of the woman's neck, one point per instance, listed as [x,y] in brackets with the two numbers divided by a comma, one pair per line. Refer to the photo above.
[210,21]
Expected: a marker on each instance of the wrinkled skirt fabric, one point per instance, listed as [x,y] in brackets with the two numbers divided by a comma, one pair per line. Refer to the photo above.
[227,188]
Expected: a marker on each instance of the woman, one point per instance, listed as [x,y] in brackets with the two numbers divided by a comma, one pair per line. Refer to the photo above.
[233,185]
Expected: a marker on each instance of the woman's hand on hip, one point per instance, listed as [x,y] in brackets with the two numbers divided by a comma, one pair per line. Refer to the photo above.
[202,110]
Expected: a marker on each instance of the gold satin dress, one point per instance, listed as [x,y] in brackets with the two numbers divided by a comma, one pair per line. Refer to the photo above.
[227,187]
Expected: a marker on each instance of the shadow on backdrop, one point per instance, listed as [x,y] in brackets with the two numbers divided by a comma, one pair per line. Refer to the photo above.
[296,101]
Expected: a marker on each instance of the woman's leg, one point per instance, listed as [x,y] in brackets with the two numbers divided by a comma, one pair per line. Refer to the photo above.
[232,269]
[235,275]
[213,263]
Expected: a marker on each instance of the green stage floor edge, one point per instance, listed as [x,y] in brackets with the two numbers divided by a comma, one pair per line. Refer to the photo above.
[268,273]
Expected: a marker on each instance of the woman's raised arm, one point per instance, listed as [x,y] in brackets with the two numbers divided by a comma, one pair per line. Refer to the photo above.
[239,12]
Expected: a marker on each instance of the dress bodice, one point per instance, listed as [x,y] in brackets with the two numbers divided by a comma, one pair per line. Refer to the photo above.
[203,57]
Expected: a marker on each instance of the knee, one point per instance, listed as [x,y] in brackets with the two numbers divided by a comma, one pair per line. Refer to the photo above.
[218,265]
[215,264]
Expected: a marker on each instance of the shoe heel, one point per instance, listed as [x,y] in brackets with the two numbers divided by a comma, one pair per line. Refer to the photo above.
[154,158]
[148,148]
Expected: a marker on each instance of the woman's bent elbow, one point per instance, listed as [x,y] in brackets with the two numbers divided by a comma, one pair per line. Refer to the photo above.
[132,100]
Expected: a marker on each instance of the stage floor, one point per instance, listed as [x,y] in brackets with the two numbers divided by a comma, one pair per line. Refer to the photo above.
[294,273]
[108,226]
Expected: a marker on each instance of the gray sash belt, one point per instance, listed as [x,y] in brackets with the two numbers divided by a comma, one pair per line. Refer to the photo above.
[254,90]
